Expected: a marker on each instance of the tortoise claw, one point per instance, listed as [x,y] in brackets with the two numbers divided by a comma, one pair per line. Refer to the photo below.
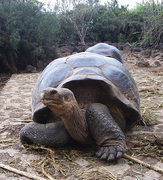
[110,153]
[119,155]
[111,157]
[104,156]
[99,153]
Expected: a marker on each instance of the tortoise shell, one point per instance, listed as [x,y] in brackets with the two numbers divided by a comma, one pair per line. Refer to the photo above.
[110,73]
[106,50]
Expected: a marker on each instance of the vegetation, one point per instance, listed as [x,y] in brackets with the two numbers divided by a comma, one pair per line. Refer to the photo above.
[80,15]
[29,32]
[152,34]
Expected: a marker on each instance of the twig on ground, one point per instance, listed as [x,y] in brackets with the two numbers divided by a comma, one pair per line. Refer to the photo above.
[143,163]
[68,157]
[114,176]
[6,140]
[46,174]
[23,173]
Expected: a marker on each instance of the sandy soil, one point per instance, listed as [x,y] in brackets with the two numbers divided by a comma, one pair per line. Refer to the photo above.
[79,162]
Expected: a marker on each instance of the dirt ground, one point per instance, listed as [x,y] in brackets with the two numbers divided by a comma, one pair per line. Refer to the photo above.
[145,140]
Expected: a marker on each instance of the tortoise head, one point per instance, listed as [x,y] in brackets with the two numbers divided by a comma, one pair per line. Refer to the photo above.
[59,100]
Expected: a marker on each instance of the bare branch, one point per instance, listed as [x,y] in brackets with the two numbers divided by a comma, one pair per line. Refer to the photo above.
[79,12]
[143,163]
[23,173]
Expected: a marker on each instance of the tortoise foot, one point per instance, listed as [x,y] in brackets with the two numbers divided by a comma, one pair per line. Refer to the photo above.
[110,153]
[106,132]
[50,134]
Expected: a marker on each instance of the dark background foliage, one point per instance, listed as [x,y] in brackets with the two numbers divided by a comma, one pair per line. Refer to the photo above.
[29,32]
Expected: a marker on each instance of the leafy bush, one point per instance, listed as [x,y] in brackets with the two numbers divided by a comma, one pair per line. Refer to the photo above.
[27,34]
[121,38]
[153,20]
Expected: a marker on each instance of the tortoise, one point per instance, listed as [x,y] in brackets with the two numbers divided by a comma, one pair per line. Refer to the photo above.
[106,50]
[86,97]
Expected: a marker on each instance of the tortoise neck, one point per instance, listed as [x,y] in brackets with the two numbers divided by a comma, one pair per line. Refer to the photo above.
[75,122]
[77,125]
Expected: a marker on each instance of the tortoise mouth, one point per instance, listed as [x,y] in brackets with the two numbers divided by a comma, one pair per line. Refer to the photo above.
[47,101]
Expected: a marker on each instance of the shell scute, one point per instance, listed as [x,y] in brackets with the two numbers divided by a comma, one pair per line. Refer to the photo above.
[84,60]
[121,78]
[106,50]
[53,78]
[50,78]
[88,70]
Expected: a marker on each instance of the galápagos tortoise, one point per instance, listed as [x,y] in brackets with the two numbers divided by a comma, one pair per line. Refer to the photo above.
[86,97]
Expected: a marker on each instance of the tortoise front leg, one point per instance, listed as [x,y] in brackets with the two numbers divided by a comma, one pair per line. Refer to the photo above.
[106,132]
[50,134]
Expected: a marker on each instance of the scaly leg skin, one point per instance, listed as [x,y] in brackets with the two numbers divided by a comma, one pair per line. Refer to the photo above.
[106,132]
[50,134]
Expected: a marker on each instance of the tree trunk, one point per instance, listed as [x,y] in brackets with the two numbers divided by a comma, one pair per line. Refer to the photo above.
[82,40]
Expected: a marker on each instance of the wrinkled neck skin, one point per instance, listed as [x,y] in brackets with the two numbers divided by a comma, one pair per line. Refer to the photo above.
[74,120]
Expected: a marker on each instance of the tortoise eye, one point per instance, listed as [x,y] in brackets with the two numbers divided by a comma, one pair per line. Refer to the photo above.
[53,92]
[66,98]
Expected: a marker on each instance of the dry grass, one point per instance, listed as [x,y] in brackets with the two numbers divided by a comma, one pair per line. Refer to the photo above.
[61,163]
[148,147]
[149,118]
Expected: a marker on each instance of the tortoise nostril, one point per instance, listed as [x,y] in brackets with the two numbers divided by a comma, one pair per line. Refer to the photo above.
[53,92]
